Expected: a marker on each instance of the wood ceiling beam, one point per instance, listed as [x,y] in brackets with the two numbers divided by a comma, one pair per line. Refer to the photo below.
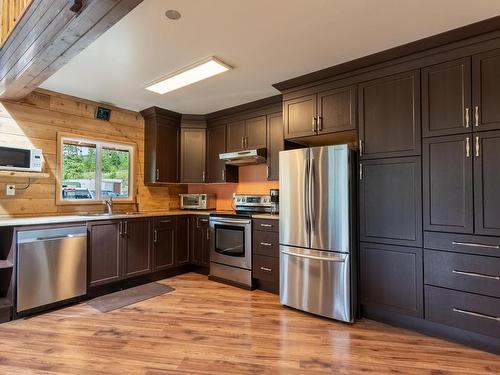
[49,35]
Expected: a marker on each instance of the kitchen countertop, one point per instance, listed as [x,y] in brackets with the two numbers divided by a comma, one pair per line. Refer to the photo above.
[58,219]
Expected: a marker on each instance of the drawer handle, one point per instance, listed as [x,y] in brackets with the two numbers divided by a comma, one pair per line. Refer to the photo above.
[479,315]
[165,221]
[204,220]
[476,274]
[475,245]
[266,269]
[328,259]
[266,244]
[266,225]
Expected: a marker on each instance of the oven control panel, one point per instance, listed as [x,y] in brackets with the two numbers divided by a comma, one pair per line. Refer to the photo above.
[252,200]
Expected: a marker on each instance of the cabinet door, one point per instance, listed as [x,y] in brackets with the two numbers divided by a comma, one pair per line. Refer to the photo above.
[487,183]
[235,136]
[193,155]
[200,241]
[275,144]
[164,242]
[448,195]
[105,257]
[389,116]
[446,98]
[256,133]
[392,278]
[391,201]
[137,247]
[182,241]
[337,110]
[299,115]
[486,90]
[216,144]
[167,152]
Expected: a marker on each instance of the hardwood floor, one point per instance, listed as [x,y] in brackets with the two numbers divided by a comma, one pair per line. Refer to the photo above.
[205,327]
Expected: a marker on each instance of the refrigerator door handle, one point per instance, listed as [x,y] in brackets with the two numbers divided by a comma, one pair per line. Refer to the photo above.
[311,194]
[306,197]
[327,259]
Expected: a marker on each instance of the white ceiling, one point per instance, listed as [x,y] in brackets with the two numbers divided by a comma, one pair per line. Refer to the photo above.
[267,41]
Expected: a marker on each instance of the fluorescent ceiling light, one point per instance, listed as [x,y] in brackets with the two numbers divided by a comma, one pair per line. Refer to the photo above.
[191,74]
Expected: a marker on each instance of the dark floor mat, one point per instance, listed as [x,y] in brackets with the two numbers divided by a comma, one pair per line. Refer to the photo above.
[117,300]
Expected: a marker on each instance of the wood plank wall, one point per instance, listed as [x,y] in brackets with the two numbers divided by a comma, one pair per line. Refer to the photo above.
[35,121]
[10,13]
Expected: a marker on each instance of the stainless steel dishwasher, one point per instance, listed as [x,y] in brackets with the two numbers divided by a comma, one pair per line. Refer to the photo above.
[51,266]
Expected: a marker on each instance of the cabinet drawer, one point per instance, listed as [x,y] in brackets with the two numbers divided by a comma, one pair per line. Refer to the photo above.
[469,273]
[266,243]
[266,268]
[463,243]
[463,310]
[268,225]
[165,222]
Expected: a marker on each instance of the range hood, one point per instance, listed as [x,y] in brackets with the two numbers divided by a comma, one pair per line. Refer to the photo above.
[247,157]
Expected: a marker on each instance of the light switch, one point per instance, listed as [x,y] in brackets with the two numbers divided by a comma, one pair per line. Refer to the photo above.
[11,190]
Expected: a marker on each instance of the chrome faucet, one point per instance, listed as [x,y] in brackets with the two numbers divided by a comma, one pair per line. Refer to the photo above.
[109,205]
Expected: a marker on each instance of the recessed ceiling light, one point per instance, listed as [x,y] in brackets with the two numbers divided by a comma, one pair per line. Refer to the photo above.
[173,14]
[188,75]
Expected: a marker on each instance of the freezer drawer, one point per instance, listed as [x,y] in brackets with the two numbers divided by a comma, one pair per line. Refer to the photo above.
[317,282]
[51,266]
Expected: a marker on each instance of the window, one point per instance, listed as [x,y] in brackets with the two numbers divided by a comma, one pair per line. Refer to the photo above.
[94,170]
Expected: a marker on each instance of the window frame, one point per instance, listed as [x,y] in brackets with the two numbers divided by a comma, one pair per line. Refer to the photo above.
[100,144]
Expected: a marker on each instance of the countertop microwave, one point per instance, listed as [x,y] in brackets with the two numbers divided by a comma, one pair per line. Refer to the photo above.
[21,159]
[197,201]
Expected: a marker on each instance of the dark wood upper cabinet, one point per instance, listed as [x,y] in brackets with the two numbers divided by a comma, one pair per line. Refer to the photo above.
[137,247]
[446,98]
[336,110]
[322,113]
[164,242]
[275,144]
[161,145]
[487,183]
[217,170]
[299,116]
[246,134]
[486,90]
[236,136]
[391,278]
[193,154]
[391,201]
[105,252]
[256,133]
[447,184]
[182,241]
[389,116]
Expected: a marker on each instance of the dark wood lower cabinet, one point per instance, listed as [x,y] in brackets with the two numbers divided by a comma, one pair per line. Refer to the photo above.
[391,201]
[199,244]
[182,241]
[164,242]
[391,278]
[265,255]
[105,252]
[137,247]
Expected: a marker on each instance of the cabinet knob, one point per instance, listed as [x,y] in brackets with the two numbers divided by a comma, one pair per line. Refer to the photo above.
[265,269]
[467,147]
[313,124]
[476,115]
[203,176]
[155,236]
[360,147]
[157,175]
[477,146]
[320,123]
[243,142]
[467,117]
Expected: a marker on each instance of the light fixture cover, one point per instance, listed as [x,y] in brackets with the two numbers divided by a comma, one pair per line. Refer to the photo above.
[188,75]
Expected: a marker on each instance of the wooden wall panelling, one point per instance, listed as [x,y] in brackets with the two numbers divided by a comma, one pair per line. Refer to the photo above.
[35,123]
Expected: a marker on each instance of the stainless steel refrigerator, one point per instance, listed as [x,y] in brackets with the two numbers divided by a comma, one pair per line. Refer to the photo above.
[316,231]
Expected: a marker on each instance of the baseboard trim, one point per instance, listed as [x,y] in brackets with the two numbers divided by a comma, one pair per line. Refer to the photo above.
[457,335]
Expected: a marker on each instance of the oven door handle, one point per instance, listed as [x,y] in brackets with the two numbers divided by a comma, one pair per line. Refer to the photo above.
[230,221]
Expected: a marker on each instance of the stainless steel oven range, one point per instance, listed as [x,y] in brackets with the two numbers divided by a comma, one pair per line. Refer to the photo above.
[231,240]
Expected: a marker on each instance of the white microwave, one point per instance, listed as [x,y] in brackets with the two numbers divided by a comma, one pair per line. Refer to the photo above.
[20,159]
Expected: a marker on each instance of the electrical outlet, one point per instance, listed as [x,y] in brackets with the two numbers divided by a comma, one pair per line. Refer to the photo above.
[11,190]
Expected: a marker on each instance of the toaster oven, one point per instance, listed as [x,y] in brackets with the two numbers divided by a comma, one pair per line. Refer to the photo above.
[197,201]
